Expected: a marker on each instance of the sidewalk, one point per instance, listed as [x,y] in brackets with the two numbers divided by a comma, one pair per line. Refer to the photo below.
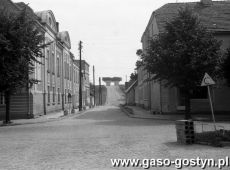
[138,112]
[202,122]
[44,118]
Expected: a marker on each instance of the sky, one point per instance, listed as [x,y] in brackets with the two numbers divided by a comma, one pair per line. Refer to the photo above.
[110,30]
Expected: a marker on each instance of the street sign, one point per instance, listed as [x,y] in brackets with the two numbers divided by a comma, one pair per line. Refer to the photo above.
[207,80]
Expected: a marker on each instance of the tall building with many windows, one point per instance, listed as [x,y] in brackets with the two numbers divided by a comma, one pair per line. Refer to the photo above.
[58,87]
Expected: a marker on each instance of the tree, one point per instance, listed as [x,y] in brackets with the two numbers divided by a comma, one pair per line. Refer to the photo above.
[133,77]
[182,54]
[21,44]
[226,66]
[139,62]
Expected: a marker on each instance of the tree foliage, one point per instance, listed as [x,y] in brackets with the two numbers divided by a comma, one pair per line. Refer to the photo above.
[184,52]
[20,47]
[21,44]
[226,66]
[133,76]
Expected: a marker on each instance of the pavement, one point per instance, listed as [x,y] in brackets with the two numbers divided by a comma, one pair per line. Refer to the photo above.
[89,141]
[202,122]
[138,112]
[53,116]
[115,96]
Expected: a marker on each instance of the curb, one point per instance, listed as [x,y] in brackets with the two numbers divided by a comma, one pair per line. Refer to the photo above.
[132,115]
[47,120]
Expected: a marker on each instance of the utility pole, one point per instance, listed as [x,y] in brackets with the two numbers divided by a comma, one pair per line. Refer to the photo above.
[100,91]
[94,88]
[80,76]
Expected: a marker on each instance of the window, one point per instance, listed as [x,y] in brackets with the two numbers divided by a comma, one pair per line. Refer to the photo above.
[48,60]
[50,22]
[2,99]
[77,77]
[74,76]
[58,67]
[65,69]
[58,95]
[48,88]
[53,63]
[70,72]
[53,95]
[65,96]
[68,77]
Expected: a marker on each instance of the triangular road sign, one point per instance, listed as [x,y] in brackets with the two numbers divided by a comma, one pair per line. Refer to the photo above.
[207,80]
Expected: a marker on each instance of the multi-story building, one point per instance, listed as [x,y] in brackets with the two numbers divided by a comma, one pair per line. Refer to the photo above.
[153,94]
[85,82]
[58,87]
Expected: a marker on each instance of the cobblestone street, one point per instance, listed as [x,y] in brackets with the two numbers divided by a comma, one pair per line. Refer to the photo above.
[91,140]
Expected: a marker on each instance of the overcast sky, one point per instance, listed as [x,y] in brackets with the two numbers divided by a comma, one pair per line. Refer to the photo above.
[110,30]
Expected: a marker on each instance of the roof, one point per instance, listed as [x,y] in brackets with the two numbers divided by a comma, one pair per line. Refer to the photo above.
[131,86]
[216,17]
[48,17]
[82,61]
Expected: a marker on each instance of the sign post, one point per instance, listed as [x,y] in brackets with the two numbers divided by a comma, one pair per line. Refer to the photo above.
[208,81]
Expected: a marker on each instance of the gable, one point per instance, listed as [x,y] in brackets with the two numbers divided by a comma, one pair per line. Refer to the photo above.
[65,38]
[48,18]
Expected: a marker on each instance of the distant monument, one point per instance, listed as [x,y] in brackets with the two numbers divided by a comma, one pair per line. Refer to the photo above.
[115,80]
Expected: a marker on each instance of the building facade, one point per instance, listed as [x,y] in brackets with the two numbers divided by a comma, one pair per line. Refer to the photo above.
[153,94]
[130,93]
[85,82]
[58,87]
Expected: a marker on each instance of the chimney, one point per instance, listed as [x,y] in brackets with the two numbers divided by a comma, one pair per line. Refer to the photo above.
[57,25]
[206,2]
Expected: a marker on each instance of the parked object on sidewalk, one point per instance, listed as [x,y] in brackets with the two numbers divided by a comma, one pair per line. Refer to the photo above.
[185,131]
